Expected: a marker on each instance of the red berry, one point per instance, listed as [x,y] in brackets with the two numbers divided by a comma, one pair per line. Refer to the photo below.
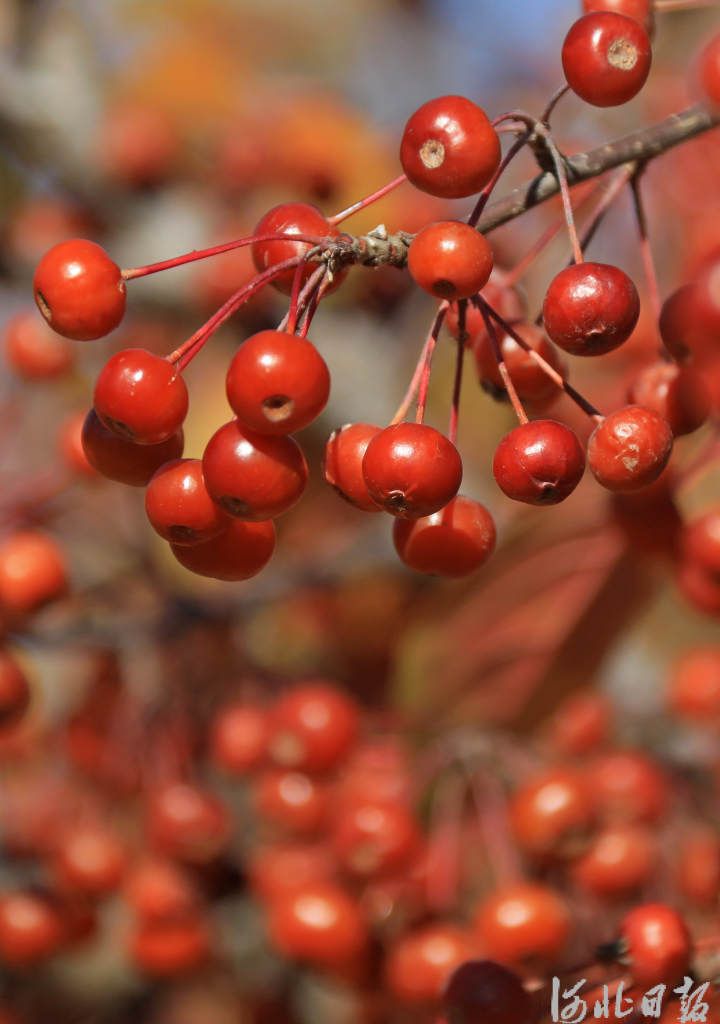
[421,961]
[291,219]
[14,691]
[313,727]
[506,300]
[158,889]
[291,801]
[694,685]
[453,542]
[524,922]
[701,589]
[590,308]
[640,10]
[412,470]
[656,944]
[530,380]
[141,397]
[677,393]
[342,463]
[375,837]
[320,923]
[187,823]
[33,350]
[30,929]
[481,990]
[540,463]
[579,725]
[32,572]
[165,948]
[89,860]
[277,383]
[239,738]
[551,815]
[681,328]
[179,507]
[619,860]
[449,148]
[137,145]
[627,787]
[697,867]
[450,260]
[710,70]
[70,446]
[121,460]
[606,58]
[701,542]
[79,290]
[253,476]
[276,869]
[238,553]
[629,449]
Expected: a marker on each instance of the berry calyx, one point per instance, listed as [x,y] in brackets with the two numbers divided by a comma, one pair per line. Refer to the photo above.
[449,148]
[253,476]
[412,470]
[141,397]
[590,308]
[291,219]
[540,463]
[606,58]
[179,507]
[450,260]
[629,449]
[277,383]
[238,553]
[79,290]
[453,542]
[123,461]
[342,463]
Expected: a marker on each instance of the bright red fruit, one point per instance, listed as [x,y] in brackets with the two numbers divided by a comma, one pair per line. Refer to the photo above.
[238,553]
[524,922]
[412,470]
[173,947]
[551,816]
[697,867]
[694,685]
[179,507]
[375,837]
[291,219]
[14,691]
[342,463]
[89,860]
[710,70]
[30,929]
[253,476]
[421,961]
[453,542]
[677,393]
[121,460]
[277,383]
[656,944]
[629,449]
[292,801]
[579,725]
[79,290]
[239,738]
[540,463]
[504,299]
[33,350]
[313,727]
[606,58]
[32,572]
[450,260]
[640,10]
[141,397]
[530,380]
[481,990]
[159,890]
[320,923]
[449,148]
[187,823]
[701,542]
[276,869]
[618,861]
[627,787]
[590,308]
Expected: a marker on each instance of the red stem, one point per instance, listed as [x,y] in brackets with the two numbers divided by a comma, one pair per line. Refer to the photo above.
[485,194]
[457,385]
[367,201]
[425,375]
[506,379]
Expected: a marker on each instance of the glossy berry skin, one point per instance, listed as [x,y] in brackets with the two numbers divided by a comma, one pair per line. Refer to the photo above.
[342,463]
[709,69]
[33,350]
[277,383]
[449,148]
[677,393]
[14,691]
[420,962]
[540,463]
[701,542]
[69,447]
[523,923]
[629,449]
[158,889]
[163,949]
[453,542]
[450,260]
[319,923]
[239,738]
[291,801]
[694,685]
[374,837]
[291,219]
[656,944]
[551,816]
[482,990]
[579,725]
[30,929]
[313,727]
[590,309]
[412,470]
[627,787]
[606,58]
[187,823]
[179,507]
[89,860]
[141,397]
[619,860]
[123,461]
[253,476]
[241,551]
[640,10]
[530,380]
[79,290]
[275,869]
[32,572]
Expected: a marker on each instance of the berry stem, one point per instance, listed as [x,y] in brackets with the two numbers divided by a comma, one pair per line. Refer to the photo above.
[552,103]
[292,316]
[361,204]
[215,250]
[427,363]
[645,249]
[502,368]
[561,174]
[321,282]
[457,382]
[682,5]
[402,410]
[485,194]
